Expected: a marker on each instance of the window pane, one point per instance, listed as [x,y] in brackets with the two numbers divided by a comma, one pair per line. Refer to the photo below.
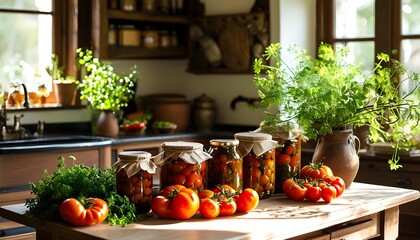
[30,5]
[25,50]
[410,56]
[354,18]
[362,53]
[410,17]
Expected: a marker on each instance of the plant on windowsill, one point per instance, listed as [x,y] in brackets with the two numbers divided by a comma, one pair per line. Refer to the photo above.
[105,90]
[65,86]
[328,93]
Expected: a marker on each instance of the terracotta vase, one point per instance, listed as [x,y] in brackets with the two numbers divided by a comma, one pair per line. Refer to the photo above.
[107,124]
[339,151]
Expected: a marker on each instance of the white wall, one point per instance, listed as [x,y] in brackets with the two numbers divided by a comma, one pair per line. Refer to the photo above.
[292,21]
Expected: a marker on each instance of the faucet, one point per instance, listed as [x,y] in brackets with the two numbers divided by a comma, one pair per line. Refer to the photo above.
[3,115]
[249,101]
[25,94]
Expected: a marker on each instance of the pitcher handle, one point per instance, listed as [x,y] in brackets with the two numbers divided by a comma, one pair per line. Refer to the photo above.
[357,141]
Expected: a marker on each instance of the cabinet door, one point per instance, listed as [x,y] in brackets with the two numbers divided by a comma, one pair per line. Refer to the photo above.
[18,170]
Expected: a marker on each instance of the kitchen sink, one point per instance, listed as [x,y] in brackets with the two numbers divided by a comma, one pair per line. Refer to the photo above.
[54,142]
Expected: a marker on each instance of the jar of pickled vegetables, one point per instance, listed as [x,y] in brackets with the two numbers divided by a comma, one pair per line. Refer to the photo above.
[225,166]
[134,178]
[183,163]
[288,152]
[258,154]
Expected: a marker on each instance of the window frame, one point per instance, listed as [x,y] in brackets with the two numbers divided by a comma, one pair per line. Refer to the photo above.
[388,34]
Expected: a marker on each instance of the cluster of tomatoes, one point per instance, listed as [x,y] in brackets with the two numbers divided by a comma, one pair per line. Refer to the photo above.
[179,202]
[317,181]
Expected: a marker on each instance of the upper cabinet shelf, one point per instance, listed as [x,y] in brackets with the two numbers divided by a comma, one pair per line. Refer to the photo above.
[215,44]
[137,33]
[146,17]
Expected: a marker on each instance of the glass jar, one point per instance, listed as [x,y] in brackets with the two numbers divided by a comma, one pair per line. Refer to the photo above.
[128,5]
[288,152]
[150,38]
[183,163]
[134,178]
[288,160]
[225,166]
[258,154]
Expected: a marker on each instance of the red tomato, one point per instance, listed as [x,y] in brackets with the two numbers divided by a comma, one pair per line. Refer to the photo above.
[248,200]
[206,193]
[209,208]
[316,171]
[227,207]
[225,190]
[336,182]
[328,193]
[293,190]
[314,193]
[177,202]
[74,212]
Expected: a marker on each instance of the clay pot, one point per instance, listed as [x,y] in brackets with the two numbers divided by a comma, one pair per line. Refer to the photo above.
[66,94]
[169,107]
[339,151]
[107,124]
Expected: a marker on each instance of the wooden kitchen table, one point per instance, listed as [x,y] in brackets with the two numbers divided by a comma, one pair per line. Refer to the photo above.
[363,211]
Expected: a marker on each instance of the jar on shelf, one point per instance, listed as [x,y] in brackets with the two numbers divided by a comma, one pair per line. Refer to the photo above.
[149,6]
[128,5]
[134,178]
[112,34]
[258,154]
[183,163]
[225,166]
[288,152]
[150,38]
[165,38]
[129,35]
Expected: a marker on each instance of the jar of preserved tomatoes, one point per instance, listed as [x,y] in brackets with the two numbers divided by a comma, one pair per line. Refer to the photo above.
[134,178]
[288,152]
[183,163]
[225,166]
[258,154]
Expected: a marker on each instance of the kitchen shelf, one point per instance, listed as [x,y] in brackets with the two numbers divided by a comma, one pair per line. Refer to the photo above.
[103,18]
[145,17]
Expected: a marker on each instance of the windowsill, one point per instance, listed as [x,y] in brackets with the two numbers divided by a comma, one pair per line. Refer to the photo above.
[45,107]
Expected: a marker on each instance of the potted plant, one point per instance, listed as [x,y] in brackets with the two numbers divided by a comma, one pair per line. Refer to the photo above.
[326,94]
[65,86]
[105,90]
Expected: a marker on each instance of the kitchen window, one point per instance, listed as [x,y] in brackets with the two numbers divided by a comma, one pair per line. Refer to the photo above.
[368,27]
[30,31]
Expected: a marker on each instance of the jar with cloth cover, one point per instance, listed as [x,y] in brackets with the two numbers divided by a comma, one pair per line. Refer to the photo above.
[258,154]
[288,151]
[134,179]
[183,163]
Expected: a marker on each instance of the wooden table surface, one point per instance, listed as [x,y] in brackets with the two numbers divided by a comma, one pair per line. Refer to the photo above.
[276,217]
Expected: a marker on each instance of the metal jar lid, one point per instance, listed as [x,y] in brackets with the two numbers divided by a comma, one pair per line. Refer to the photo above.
[181,146]
[224,142]
[204,101]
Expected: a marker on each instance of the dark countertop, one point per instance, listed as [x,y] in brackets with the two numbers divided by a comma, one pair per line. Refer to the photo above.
[66,141]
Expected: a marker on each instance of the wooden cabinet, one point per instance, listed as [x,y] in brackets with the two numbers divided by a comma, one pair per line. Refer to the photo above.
[224,43]
[139,34]
[375,169]
[20,169]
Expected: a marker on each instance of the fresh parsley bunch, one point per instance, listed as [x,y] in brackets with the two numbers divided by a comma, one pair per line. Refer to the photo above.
[78,181]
